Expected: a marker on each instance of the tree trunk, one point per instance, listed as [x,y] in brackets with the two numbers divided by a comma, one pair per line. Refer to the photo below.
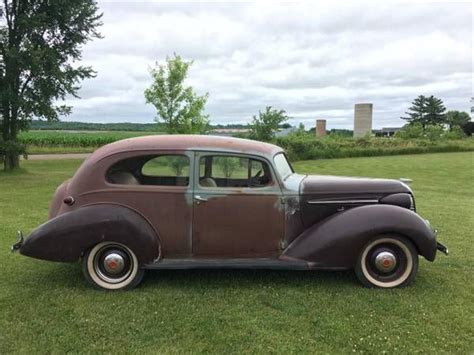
[11,161]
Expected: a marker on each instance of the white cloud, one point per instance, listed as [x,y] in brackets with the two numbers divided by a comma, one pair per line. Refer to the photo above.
[313,61]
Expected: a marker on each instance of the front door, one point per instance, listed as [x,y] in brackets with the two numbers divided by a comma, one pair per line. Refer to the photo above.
[237,207]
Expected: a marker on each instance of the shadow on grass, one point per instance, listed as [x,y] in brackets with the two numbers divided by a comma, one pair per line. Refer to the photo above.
[215,278]
[69,276]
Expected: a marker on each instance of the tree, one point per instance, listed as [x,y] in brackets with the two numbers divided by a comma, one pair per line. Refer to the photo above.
[39,42]
[264,127]
[435,112]
[426,111]
[416,112]
[228,165]
[178,106]
[457,119]
[468,128]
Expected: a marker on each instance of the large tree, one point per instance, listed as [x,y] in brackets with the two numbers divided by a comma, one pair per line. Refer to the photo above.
[426,111]
[416,113]
[264,126]
[40,40]
[435,111]
[457,119]
[180,108]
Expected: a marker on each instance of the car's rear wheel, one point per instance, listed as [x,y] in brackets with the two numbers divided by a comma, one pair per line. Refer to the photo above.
[111,266]
[387,261]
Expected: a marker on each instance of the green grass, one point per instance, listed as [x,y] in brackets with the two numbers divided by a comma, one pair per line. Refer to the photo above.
[47,307]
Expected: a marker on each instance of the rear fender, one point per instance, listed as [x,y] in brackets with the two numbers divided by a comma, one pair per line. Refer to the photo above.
[66,237]
[338,240]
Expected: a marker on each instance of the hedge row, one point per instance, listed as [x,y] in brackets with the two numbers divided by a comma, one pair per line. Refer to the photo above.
[307,148]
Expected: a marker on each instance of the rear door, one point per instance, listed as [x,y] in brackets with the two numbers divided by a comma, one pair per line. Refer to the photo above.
[237,208]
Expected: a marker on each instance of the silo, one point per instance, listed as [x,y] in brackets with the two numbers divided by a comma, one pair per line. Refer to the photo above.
[320,128]
[362,119]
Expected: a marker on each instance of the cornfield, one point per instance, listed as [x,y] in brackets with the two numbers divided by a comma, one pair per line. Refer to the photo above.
[75,138]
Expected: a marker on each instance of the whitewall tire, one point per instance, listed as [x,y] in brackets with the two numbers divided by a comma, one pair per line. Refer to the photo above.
[387,261]
[111,266]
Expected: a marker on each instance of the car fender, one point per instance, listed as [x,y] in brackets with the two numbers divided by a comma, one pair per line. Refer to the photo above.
[337,241]
[66,237]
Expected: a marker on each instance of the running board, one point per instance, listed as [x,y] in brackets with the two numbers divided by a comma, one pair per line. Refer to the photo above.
[198,263]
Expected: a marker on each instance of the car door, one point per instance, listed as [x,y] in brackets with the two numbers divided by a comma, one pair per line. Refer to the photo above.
[157,184]
[237,208]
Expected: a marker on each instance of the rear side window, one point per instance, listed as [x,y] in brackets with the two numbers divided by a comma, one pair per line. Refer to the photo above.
[167,165]
[160,170]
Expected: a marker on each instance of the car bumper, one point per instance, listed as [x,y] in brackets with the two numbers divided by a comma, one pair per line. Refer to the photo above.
[439,246]
[442,248]
[15,247]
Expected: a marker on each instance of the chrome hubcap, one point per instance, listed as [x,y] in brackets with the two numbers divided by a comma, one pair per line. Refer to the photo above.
[385,261]
[114,263]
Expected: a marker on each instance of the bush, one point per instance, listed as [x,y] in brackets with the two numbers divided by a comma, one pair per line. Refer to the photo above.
[455,133]
[410,132]
[434,133]
[307,147]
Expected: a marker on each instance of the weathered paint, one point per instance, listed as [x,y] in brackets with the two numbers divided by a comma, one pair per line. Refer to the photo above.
[336,241]
[347,190]
[233,222]
[66,237]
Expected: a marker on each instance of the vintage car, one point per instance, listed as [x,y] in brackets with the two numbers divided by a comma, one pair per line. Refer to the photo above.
[185,202]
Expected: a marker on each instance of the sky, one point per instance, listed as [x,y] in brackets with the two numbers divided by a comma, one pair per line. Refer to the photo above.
[314,61]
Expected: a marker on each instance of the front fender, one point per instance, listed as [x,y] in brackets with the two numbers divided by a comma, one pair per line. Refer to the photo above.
[66,237]
[338,240]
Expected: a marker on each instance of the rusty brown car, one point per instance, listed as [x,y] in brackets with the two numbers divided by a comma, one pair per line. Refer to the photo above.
[184,202]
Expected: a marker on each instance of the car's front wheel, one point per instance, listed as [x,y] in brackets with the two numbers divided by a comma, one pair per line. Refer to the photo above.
[387,261]
[111,266]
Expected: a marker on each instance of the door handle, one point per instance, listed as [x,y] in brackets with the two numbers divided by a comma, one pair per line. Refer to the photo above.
[199,199]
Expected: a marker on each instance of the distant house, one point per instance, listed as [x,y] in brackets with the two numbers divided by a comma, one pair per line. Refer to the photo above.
[386,131]
[227,132]
[283,132]
[230,132]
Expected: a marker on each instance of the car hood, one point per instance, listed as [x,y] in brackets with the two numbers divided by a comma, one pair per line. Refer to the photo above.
[323,184]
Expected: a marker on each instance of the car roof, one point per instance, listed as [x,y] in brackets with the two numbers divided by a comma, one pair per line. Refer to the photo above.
[186,142]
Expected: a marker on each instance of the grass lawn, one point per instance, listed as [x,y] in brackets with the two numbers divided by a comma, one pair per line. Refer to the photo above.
[47,307]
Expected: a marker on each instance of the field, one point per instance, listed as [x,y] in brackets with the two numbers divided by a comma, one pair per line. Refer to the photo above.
[70,141]
[47,307]
[298,147]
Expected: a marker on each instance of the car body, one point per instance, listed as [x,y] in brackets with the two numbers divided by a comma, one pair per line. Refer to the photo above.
[191,201]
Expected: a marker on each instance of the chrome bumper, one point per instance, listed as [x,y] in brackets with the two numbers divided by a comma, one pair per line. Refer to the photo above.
[439,246]
[442,248]
[18,243]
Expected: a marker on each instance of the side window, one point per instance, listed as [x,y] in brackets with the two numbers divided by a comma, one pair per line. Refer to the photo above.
[233,171]
[161,170]
[167,165]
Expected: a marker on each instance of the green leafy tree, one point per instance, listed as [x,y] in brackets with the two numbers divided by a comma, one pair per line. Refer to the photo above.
[264,127]
[457,119]
[180,108]
[410,131]
[228,165]
[39,43]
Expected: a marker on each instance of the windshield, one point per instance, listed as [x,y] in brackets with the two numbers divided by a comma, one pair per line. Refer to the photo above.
[282,166]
